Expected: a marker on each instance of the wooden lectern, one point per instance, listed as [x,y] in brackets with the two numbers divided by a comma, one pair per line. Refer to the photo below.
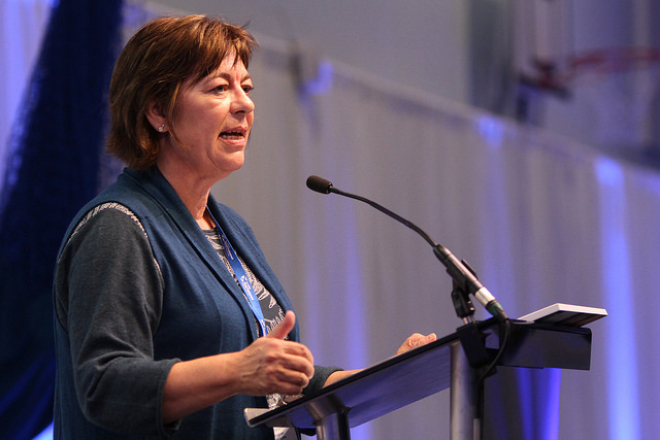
[424,371]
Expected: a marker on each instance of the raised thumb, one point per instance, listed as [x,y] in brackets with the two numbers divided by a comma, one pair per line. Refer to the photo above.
[282,329]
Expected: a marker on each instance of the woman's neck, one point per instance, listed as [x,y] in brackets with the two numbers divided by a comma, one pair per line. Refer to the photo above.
[194,193]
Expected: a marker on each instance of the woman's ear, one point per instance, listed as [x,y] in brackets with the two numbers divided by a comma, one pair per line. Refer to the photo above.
[156,117]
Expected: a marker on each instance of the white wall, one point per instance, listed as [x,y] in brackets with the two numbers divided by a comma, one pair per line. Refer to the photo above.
[416,43]
[425,45]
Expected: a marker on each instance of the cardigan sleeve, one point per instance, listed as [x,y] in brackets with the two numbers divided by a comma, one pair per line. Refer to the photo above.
[321,375]
[109,300]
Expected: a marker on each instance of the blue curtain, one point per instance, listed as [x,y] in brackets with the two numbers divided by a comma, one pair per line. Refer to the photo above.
[54,169]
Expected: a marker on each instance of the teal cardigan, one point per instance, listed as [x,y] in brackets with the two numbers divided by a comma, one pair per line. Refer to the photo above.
[135,294]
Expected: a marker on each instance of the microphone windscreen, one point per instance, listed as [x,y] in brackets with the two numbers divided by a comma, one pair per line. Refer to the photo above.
[319,184]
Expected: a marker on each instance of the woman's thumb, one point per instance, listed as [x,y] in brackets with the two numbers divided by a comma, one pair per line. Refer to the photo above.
[282,329]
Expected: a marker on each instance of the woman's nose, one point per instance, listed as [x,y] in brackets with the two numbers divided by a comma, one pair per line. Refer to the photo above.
[242,102]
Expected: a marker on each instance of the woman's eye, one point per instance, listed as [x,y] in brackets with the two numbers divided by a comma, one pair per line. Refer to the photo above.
[247,89]
[222,88]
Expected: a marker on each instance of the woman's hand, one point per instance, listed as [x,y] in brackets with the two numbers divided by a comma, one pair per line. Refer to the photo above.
[269,365]
[416,340]
[272,365]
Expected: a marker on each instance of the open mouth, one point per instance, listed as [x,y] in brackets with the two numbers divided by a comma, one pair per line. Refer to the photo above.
[232,135]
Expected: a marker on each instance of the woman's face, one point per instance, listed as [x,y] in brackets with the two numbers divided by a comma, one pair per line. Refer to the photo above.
[212,119]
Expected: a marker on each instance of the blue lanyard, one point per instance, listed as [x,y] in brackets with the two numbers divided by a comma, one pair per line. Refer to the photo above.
[241,276]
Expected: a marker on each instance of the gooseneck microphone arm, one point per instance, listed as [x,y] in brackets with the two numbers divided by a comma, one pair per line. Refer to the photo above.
[320,185]
[463,277]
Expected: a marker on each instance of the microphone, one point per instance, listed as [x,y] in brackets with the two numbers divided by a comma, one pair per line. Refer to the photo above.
[463,277]
[319,184]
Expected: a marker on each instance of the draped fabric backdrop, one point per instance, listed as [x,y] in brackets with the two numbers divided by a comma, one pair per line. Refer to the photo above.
[22,24]
[52,169]
[541,218]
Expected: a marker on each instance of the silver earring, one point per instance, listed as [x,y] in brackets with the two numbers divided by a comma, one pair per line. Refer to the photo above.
[161,128]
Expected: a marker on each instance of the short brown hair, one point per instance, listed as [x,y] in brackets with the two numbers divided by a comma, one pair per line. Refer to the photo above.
[153,65]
